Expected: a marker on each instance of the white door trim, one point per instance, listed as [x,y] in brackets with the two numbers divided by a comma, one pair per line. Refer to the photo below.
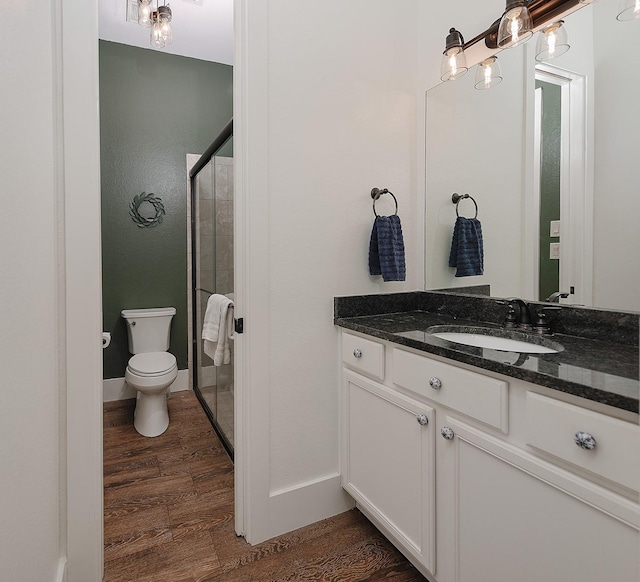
[251,267]
[80,276]
[534,198]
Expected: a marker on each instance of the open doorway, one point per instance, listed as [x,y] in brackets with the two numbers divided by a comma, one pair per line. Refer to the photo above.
[559,198]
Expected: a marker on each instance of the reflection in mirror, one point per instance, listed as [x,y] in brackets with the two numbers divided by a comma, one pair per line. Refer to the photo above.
[549,157]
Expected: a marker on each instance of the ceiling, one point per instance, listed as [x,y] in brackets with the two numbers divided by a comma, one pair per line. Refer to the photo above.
[202,29]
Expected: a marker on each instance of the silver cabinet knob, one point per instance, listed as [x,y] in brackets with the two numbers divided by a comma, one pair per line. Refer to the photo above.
[435,383]
[357,353]
[447,433]
[585,441]
[422,419]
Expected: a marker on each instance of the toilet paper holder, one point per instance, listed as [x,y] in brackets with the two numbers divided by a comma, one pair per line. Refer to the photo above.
[106,339]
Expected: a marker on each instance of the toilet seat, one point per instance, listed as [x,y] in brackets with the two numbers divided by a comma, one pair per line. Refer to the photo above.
[152,364]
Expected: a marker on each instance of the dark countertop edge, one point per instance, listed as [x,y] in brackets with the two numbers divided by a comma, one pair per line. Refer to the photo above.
[579,321]
[602,396]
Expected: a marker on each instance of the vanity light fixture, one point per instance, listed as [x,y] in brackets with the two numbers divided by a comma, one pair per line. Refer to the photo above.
[454,61]
[552,41]
[516,26]
[488,74]
[629,10]
[161,33]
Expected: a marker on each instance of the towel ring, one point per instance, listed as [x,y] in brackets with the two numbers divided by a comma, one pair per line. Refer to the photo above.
[456,198]
[376,193]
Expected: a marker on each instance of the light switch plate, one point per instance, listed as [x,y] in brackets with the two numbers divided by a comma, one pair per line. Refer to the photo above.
[554,250]
[554,228]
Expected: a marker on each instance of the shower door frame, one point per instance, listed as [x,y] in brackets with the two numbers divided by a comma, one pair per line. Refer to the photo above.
[207,157]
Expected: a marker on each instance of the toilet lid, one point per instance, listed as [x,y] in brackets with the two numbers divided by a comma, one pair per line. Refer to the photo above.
[152,363]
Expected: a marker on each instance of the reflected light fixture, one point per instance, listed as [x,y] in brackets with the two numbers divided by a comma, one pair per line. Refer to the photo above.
[515,25]
[629,10]
[454,61]
[552,42]
[488,74]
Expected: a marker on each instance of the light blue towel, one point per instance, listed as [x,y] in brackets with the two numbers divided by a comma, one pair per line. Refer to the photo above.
[467,250]
[386,249]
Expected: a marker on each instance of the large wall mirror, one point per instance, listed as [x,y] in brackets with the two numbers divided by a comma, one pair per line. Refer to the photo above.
[549,155]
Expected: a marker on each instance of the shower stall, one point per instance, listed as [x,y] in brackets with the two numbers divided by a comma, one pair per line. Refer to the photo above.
[210,233]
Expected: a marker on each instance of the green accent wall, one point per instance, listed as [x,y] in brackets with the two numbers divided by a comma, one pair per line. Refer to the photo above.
[155,108]
[549,281]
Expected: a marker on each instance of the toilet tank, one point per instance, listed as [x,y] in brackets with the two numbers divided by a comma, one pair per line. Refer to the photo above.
[148,329]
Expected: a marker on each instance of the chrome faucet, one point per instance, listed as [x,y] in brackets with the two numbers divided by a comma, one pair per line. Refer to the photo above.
[555,297]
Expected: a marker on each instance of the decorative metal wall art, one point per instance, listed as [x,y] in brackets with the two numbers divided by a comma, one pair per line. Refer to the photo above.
[146,221]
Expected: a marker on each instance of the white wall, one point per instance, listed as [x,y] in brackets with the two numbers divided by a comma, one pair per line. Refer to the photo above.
[330,109]
[29,432]
[617,126]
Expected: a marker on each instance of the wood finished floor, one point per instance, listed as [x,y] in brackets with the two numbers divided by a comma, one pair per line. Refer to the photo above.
[168,515]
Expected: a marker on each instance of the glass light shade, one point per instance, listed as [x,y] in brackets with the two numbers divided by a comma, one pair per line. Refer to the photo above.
[629,10]
[552,42]
[515,25]
[144,13]
[167,33]
[164,14]
[157,40]
[488,74]
[454,64]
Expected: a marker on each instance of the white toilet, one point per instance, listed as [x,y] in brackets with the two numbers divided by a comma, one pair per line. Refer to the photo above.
[152,369]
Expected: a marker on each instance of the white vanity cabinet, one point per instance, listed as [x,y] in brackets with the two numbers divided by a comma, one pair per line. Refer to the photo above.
[388,460]
[516,499]
[504,514]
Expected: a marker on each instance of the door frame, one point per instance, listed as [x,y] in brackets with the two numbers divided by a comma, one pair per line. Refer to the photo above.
[75,62]
[576,186]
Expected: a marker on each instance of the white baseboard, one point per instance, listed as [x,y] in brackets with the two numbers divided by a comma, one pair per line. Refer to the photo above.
[61,574]
[118,389]
[307,503]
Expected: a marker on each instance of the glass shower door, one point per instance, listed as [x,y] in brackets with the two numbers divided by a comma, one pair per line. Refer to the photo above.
[212,264]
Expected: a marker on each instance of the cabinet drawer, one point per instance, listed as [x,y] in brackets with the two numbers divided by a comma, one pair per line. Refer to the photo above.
[475,395]
[552,426]
[363,355]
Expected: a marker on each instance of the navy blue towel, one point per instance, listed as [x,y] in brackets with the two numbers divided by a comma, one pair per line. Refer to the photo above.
[386,249]
[467,252]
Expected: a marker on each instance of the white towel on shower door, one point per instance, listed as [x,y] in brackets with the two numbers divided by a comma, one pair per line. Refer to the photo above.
[217,329]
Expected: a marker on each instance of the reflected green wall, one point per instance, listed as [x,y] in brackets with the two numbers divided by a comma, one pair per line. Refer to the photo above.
[155,108]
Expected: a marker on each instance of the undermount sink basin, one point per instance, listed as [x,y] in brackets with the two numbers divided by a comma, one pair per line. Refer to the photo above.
[496,339]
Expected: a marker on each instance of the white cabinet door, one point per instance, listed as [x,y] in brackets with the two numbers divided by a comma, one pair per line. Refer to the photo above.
[388,463]
[505,515]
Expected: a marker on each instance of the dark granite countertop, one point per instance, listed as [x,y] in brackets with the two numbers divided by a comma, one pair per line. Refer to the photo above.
[606,372]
